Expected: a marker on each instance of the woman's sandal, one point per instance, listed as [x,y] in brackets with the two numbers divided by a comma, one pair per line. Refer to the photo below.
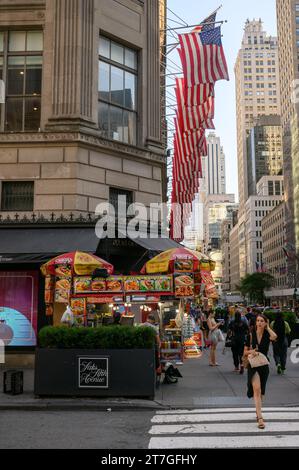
[261,424]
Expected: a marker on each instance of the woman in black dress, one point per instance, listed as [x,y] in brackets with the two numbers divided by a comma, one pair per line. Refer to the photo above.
[259,341]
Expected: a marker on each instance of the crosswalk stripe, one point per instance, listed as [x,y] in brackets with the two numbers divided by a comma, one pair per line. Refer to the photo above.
[223,417]
[214,442]
[223,428]
[223,410]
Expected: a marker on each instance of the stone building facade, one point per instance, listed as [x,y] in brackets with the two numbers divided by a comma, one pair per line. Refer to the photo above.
[81,119]
[288,41]
[273,234]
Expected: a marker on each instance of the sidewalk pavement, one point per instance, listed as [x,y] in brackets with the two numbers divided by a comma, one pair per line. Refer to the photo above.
[201,387]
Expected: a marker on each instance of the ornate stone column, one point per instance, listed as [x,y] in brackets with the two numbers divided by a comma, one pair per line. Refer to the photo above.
[73,62]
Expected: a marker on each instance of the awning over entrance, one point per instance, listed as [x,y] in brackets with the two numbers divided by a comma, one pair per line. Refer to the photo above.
[156,244]
[21,244]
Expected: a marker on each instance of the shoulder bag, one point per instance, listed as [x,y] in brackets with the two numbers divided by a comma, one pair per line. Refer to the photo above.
[254,361]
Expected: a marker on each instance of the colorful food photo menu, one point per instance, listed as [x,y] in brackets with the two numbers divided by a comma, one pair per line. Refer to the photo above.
[184,285]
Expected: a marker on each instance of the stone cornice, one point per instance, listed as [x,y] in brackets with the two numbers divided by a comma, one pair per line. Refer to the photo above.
[25,5]
[97,143]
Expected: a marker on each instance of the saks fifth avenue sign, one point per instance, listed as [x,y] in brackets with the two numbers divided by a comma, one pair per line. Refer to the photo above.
[93,372]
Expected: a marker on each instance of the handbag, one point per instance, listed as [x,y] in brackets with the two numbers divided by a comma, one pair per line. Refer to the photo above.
[216,336]
[230,340]
[256,361]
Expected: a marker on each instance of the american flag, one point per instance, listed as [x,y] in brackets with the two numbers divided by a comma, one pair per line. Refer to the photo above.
[203,58]
[194,117]
[198,94]
[184,168]
[188,143]
[207,24]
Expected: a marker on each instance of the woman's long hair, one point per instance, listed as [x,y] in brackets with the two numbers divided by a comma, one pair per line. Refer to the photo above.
[260,315]
[279,327]
[238,318]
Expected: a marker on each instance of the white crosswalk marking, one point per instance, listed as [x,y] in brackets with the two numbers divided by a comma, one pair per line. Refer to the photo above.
[225,428]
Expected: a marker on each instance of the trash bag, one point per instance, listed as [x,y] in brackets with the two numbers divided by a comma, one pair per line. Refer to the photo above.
[169,379]
[68,317]
[171,374]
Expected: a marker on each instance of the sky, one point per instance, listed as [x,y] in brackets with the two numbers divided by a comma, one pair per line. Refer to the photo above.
[235,12]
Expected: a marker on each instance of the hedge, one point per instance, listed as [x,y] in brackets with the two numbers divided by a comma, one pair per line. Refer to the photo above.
[289,317]
[104,337]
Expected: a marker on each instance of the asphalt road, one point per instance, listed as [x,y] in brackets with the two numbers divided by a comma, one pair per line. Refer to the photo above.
[75,430]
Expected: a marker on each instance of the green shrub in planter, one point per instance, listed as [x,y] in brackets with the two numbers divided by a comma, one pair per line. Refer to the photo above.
[105,337]
[289,317]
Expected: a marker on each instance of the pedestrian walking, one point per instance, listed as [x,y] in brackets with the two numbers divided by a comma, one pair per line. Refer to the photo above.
[280,346]
[237,333]
[256,352]
[204,327]
[215,335]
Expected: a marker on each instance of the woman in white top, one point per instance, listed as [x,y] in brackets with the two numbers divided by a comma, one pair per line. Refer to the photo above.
[214,337]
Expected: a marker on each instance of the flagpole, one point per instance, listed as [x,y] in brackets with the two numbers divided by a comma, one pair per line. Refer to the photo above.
[193,26]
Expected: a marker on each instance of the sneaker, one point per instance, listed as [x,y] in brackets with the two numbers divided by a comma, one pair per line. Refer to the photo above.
[237,369]
[279,370]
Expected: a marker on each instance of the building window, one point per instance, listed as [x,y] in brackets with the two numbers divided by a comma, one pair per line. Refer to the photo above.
[277,188]
[117,91]
[21,63]
[115,193]
[17,196]
[271,188]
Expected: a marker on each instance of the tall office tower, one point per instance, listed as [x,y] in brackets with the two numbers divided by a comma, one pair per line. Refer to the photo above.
[288,41]
[212,183]
[213,167]
[257,91]
[264,151]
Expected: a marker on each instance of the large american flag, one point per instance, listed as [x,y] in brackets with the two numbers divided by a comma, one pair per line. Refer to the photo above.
[203,57]
[198,94]
[207,24]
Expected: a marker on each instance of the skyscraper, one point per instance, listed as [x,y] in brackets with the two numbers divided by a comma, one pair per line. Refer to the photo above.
[257,91]
[211,184]
[264,151]
[213,167]
[288,40]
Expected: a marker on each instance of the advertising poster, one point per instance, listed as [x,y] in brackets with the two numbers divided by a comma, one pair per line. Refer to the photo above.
[209,283]
[63,270]
[197,284]
[18,307]
[62,290]
[49,290]
[87,285]
[183,265]
[184,285]
[114,284]
[131,284]
[163,284]
[82,285]
[148,284]
[77,306]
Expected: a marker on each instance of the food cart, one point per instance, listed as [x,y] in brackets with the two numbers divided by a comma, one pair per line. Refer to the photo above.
[192,281]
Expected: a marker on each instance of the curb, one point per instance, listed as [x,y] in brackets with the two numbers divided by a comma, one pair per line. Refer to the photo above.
[117,406]
[82,406]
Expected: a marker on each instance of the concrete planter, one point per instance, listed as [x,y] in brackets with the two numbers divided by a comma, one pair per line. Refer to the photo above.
[95,373]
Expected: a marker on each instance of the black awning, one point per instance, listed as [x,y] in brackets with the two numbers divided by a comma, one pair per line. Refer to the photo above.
[156,244]
[31,241]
